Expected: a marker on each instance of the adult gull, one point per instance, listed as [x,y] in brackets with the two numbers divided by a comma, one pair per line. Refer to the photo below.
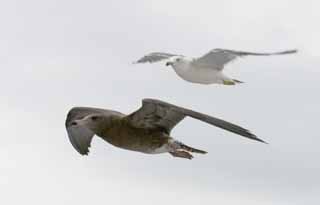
[207,69]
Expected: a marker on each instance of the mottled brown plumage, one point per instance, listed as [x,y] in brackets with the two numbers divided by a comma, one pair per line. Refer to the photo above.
[121,133]
[147,130]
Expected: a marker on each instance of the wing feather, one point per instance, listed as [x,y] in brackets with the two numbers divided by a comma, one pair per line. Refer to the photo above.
[155,57]
[156,114]
[217,58]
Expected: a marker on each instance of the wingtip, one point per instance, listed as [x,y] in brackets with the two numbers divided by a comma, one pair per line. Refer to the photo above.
[264,142]
[290,51]
[258,139]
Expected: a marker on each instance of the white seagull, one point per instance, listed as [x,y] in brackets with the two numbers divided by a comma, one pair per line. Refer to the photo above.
[208,69]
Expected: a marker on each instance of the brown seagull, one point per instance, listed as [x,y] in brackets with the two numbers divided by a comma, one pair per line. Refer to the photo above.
[146,130]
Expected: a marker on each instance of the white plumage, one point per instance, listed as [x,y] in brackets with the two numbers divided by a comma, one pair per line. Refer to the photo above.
[207,69]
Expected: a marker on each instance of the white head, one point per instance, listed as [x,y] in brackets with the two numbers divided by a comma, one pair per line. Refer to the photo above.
[177,61]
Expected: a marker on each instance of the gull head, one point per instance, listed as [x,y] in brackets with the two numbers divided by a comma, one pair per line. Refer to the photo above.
[94,122]
[177,60]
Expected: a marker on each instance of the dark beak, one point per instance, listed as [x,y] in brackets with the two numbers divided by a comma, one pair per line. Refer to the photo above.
[168,63]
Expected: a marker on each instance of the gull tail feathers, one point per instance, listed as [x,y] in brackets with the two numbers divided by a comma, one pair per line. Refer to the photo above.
[237,81]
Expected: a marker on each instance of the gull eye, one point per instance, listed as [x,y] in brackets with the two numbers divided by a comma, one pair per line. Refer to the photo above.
[178,59]
[94,118]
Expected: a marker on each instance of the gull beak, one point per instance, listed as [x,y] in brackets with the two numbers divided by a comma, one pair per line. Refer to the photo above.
[169,63]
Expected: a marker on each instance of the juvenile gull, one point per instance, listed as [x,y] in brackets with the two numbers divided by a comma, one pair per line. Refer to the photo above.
[146,130]
[207,69]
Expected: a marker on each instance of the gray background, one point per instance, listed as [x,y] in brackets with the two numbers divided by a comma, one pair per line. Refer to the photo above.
[58,54]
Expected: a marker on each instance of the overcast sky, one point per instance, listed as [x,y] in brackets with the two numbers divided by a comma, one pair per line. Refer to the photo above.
[63,53]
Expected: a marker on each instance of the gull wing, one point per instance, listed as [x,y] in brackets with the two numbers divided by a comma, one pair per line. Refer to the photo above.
[80,136]
[155,57]
[156,114]
[217,58]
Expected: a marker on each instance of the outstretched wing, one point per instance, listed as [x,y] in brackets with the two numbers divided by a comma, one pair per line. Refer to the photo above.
[79,135]
[155,57]
[155,114]
[217,58]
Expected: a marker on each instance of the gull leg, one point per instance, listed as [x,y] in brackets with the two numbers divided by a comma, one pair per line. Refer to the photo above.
[178,149]
[176,145]
[181,154]
[237,81]
[228,82]
[231,81]
[191,149]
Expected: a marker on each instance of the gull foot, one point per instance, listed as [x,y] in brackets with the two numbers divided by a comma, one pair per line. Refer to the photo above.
[181,154]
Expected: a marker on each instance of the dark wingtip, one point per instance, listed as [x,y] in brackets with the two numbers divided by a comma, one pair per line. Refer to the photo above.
[137,62]
[289,51]
[264,142]
[258,139]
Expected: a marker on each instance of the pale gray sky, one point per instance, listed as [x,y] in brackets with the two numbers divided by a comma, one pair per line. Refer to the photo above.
[63,53]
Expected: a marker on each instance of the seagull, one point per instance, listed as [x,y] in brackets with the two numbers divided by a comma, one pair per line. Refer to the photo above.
[207,69]
[146,130]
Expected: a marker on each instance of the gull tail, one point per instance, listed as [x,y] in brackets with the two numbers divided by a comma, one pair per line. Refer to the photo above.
[237,81]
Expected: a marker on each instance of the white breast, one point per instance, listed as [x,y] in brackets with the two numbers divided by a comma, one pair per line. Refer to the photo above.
[200,75]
